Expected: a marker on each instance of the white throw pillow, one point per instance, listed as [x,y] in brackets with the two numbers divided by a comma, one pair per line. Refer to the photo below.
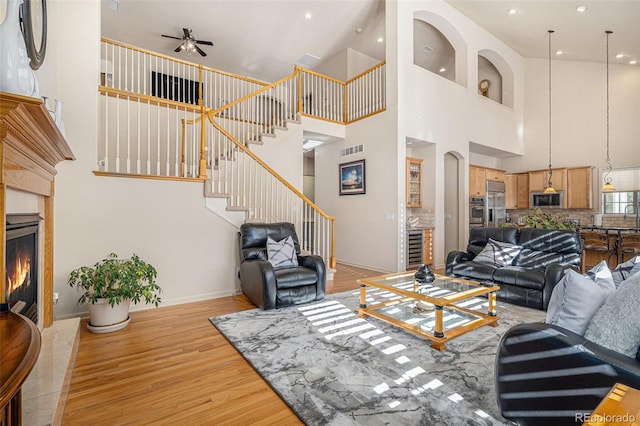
[576,298]
[498,253]
[626,270]
[281,254]
[616,325]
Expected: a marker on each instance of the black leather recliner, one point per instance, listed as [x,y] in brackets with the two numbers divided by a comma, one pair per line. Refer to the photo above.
[547,375]
[270,288]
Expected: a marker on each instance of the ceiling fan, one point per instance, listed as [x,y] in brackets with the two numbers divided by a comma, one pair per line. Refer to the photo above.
[189,43]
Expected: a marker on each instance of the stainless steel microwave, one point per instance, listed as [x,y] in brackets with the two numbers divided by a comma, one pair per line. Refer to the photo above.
[542,199]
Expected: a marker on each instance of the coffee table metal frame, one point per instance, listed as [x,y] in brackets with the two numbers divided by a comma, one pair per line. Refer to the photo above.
[438,337]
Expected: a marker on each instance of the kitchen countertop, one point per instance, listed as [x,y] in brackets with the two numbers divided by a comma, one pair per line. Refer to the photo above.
[610,228]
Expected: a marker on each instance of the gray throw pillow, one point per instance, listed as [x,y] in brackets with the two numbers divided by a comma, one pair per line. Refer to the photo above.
[498,253]
[616,325]
[576,298]
[281,254]
[625,270]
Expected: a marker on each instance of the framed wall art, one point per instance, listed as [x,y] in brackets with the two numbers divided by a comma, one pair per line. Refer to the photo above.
[352,178]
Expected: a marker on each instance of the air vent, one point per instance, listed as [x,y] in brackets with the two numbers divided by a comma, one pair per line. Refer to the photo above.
[352,150]
[427,49]
[308,60]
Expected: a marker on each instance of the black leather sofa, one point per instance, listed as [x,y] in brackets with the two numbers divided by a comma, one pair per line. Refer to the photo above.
[547,375]
[270,288]
[530,279]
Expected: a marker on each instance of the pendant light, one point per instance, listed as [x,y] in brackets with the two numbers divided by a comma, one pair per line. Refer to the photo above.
[607,187]
[549,189]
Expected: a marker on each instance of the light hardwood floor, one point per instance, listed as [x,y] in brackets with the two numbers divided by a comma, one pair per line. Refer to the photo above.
[171,366]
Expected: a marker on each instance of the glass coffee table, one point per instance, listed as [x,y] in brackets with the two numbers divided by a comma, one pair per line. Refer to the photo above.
[438,311]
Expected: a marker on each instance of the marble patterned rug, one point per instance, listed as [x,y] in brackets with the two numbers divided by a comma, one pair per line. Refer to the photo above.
[335,368]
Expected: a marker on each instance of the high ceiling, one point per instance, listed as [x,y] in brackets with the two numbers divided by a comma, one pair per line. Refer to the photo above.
[263,39]
[580,35]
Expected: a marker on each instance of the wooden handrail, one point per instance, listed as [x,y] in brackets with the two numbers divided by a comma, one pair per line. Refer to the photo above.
[153,100]
[363,73]
[317,74]
[269,169]
[182,61]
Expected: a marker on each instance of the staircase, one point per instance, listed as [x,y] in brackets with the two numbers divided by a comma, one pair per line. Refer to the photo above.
[150,131]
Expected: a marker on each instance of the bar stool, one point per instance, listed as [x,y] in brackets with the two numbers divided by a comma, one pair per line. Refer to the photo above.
[599,242]
[630,246]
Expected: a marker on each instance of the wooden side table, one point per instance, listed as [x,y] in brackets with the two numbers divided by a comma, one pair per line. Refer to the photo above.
[621,407]
[19,350]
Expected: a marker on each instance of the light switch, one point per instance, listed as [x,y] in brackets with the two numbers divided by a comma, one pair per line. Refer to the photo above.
[389,216]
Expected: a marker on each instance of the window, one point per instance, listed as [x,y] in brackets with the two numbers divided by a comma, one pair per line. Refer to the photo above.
[627,195]
[620,202]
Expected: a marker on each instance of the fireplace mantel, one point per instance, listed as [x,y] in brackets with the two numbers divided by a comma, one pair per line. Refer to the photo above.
[31,146]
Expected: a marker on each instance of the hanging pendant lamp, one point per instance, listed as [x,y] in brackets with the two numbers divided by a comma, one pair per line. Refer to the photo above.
[549,189]
[607,187]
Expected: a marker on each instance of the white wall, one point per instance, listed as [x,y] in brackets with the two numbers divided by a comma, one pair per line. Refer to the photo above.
[364,236]
[578,122]
[165,223]
[448,114]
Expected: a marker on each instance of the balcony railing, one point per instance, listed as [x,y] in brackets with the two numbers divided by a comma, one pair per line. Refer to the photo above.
[170,119]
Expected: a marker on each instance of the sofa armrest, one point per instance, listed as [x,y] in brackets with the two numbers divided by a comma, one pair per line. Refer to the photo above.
[552,276]
[545,374]
[316,263]
[258,282]
[456,257]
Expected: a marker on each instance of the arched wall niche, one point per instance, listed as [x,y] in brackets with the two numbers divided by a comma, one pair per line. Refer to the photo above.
[440,27]
[495,68]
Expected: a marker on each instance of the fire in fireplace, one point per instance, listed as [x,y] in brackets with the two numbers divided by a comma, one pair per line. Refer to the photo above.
[21,282]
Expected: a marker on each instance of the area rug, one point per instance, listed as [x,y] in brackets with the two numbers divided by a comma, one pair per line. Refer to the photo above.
[335,368]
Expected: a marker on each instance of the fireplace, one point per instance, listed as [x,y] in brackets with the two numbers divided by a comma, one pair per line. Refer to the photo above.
[21,278]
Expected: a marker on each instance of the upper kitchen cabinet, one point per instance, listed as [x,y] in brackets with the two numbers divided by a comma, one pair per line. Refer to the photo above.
[414,182]
[477,181]
[495,175]
[539,179]
[580,188]
[516,190]
[478,177]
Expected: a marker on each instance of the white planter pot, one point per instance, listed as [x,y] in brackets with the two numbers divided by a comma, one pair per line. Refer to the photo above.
[104,318]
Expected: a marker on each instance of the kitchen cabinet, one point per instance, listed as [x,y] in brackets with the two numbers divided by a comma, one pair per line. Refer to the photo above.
[478,177]
[495,175]
[477,181]
[427,246]
[579,188]
[414,182]
[539,179]
[516,190]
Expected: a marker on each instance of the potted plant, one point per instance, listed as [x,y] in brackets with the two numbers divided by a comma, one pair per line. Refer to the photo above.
[110,286]
[539,219]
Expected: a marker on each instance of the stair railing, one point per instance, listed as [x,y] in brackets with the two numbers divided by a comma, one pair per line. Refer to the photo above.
[248,182]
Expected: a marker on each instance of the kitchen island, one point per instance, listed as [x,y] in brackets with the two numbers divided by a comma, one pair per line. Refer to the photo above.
[613,244]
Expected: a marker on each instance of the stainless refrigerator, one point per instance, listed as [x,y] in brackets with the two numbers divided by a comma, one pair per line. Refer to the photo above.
[495,205]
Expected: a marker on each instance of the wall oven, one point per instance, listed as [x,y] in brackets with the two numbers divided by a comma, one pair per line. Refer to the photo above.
[476,211]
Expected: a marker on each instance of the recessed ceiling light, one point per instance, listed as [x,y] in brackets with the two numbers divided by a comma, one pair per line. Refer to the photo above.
[620,55]
[513,11]
[581,9]
[559,52]
[380,40]
[308,15]
[359,30]
[633,62]
[443,69]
